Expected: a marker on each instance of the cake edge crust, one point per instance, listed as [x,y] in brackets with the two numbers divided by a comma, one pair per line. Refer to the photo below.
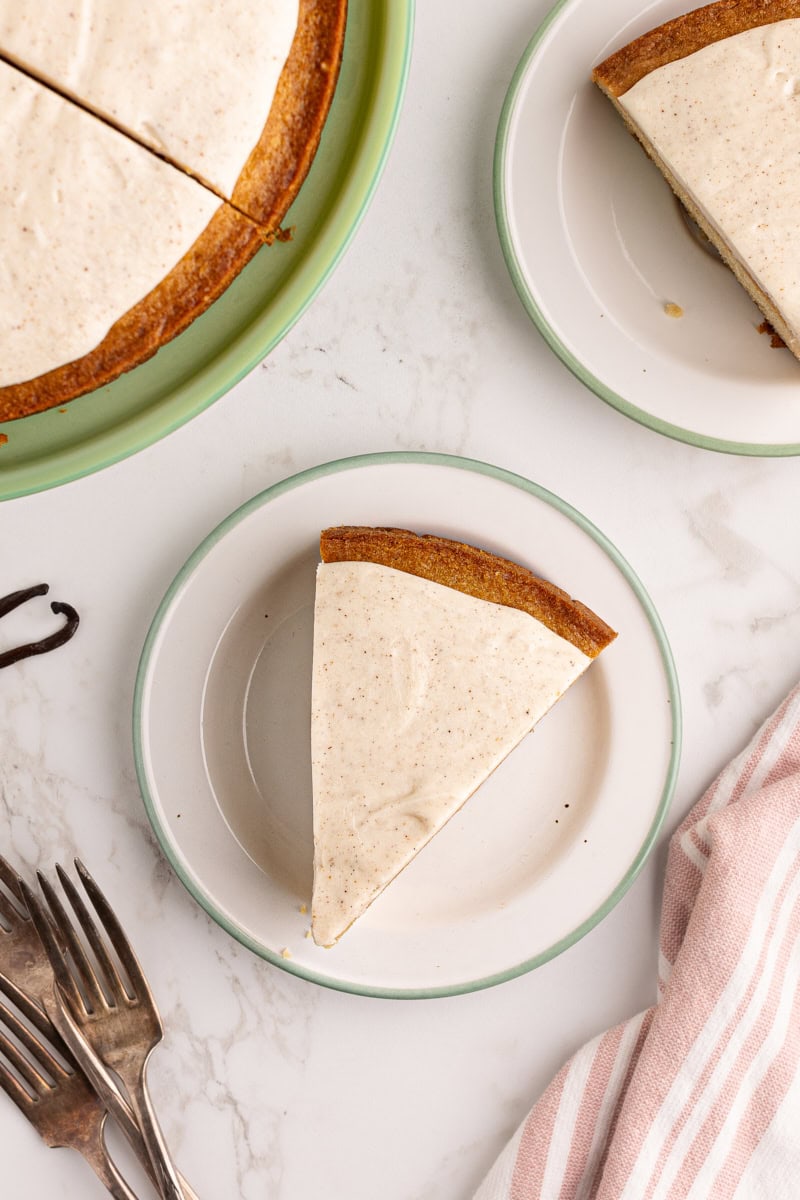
[211,264]
[685,35]
[475,572]
[282,157]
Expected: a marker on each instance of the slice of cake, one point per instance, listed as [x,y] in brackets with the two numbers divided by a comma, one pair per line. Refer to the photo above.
[233,94]
[713,97]
[93,226]
[432,660]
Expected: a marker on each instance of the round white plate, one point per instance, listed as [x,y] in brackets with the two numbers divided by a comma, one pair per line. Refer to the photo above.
[221,729]
[597,246]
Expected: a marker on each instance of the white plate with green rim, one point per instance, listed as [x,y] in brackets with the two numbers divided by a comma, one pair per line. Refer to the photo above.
[262,304]
[598,248]
[535,858]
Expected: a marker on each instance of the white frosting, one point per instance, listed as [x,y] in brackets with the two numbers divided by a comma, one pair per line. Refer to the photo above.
[192,78]
[419,692]
[726,120]
[90,222]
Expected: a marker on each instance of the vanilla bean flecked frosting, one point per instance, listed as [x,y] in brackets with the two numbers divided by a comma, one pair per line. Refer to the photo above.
[726,120]
[419,692]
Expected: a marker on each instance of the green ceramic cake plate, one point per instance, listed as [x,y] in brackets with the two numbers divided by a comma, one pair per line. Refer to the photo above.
[262,304]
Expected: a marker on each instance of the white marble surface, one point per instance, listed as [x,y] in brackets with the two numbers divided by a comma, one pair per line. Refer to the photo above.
[271,1087]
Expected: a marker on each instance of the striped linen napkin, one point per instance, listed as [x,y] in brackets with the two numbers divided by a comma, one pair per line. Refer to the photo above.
[698,1098]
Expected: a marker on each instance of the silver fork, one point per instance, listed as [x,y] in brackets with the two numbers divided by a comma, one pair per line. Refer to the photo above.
[26,967]
[120,1023]
[57,1101]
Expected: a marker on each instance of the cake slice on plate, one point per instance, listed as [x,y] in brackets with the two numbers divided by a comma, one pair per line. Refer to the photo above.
[713,97]
[432,660]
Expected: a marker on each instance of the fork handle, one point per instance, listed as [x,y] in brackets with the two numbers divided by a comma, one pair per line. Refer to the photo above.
[117,1104]
[96,1154]
[167,1179]
[127,1123]
[108,1175]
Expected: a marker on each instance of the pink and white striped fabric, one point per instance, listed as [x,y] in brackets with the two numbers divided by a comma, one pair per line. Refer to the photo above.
[699,1097]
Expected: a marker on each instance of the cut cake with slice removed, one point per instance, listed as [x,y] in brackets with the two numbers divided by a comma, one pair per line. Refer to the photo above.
[99,96]
[432,660]
[712,97]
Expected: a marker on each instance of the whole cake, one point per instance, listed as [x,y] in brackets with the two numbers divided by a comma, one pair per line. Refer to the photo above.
[712,96]
[432,660]
[149,150]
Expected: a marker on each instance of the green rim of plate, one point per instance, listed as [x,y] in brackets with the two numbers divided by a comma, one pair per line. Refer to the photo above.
[525,485]
[535,312]
[263,303]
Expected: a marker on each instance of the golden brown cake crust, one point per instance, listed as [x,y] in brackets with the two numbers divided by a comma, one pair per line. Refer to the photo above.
[475,572]
[684,35]
[265,189]
[272,176]
[228,242]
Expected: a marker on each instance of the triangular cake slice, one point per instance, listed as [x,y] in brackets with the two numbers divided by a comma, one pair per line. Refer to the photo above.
[432,660]
[236,95]
[712,97]
[105,251]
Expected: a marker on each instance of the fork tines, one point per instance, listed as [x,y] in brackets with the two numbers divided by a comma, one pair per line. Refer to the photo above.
[94,997]
[54,922]
[24,1064]
[54,952]
[10,878]
[9,915]
[113,928]
[39,1057]
[28,1008]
